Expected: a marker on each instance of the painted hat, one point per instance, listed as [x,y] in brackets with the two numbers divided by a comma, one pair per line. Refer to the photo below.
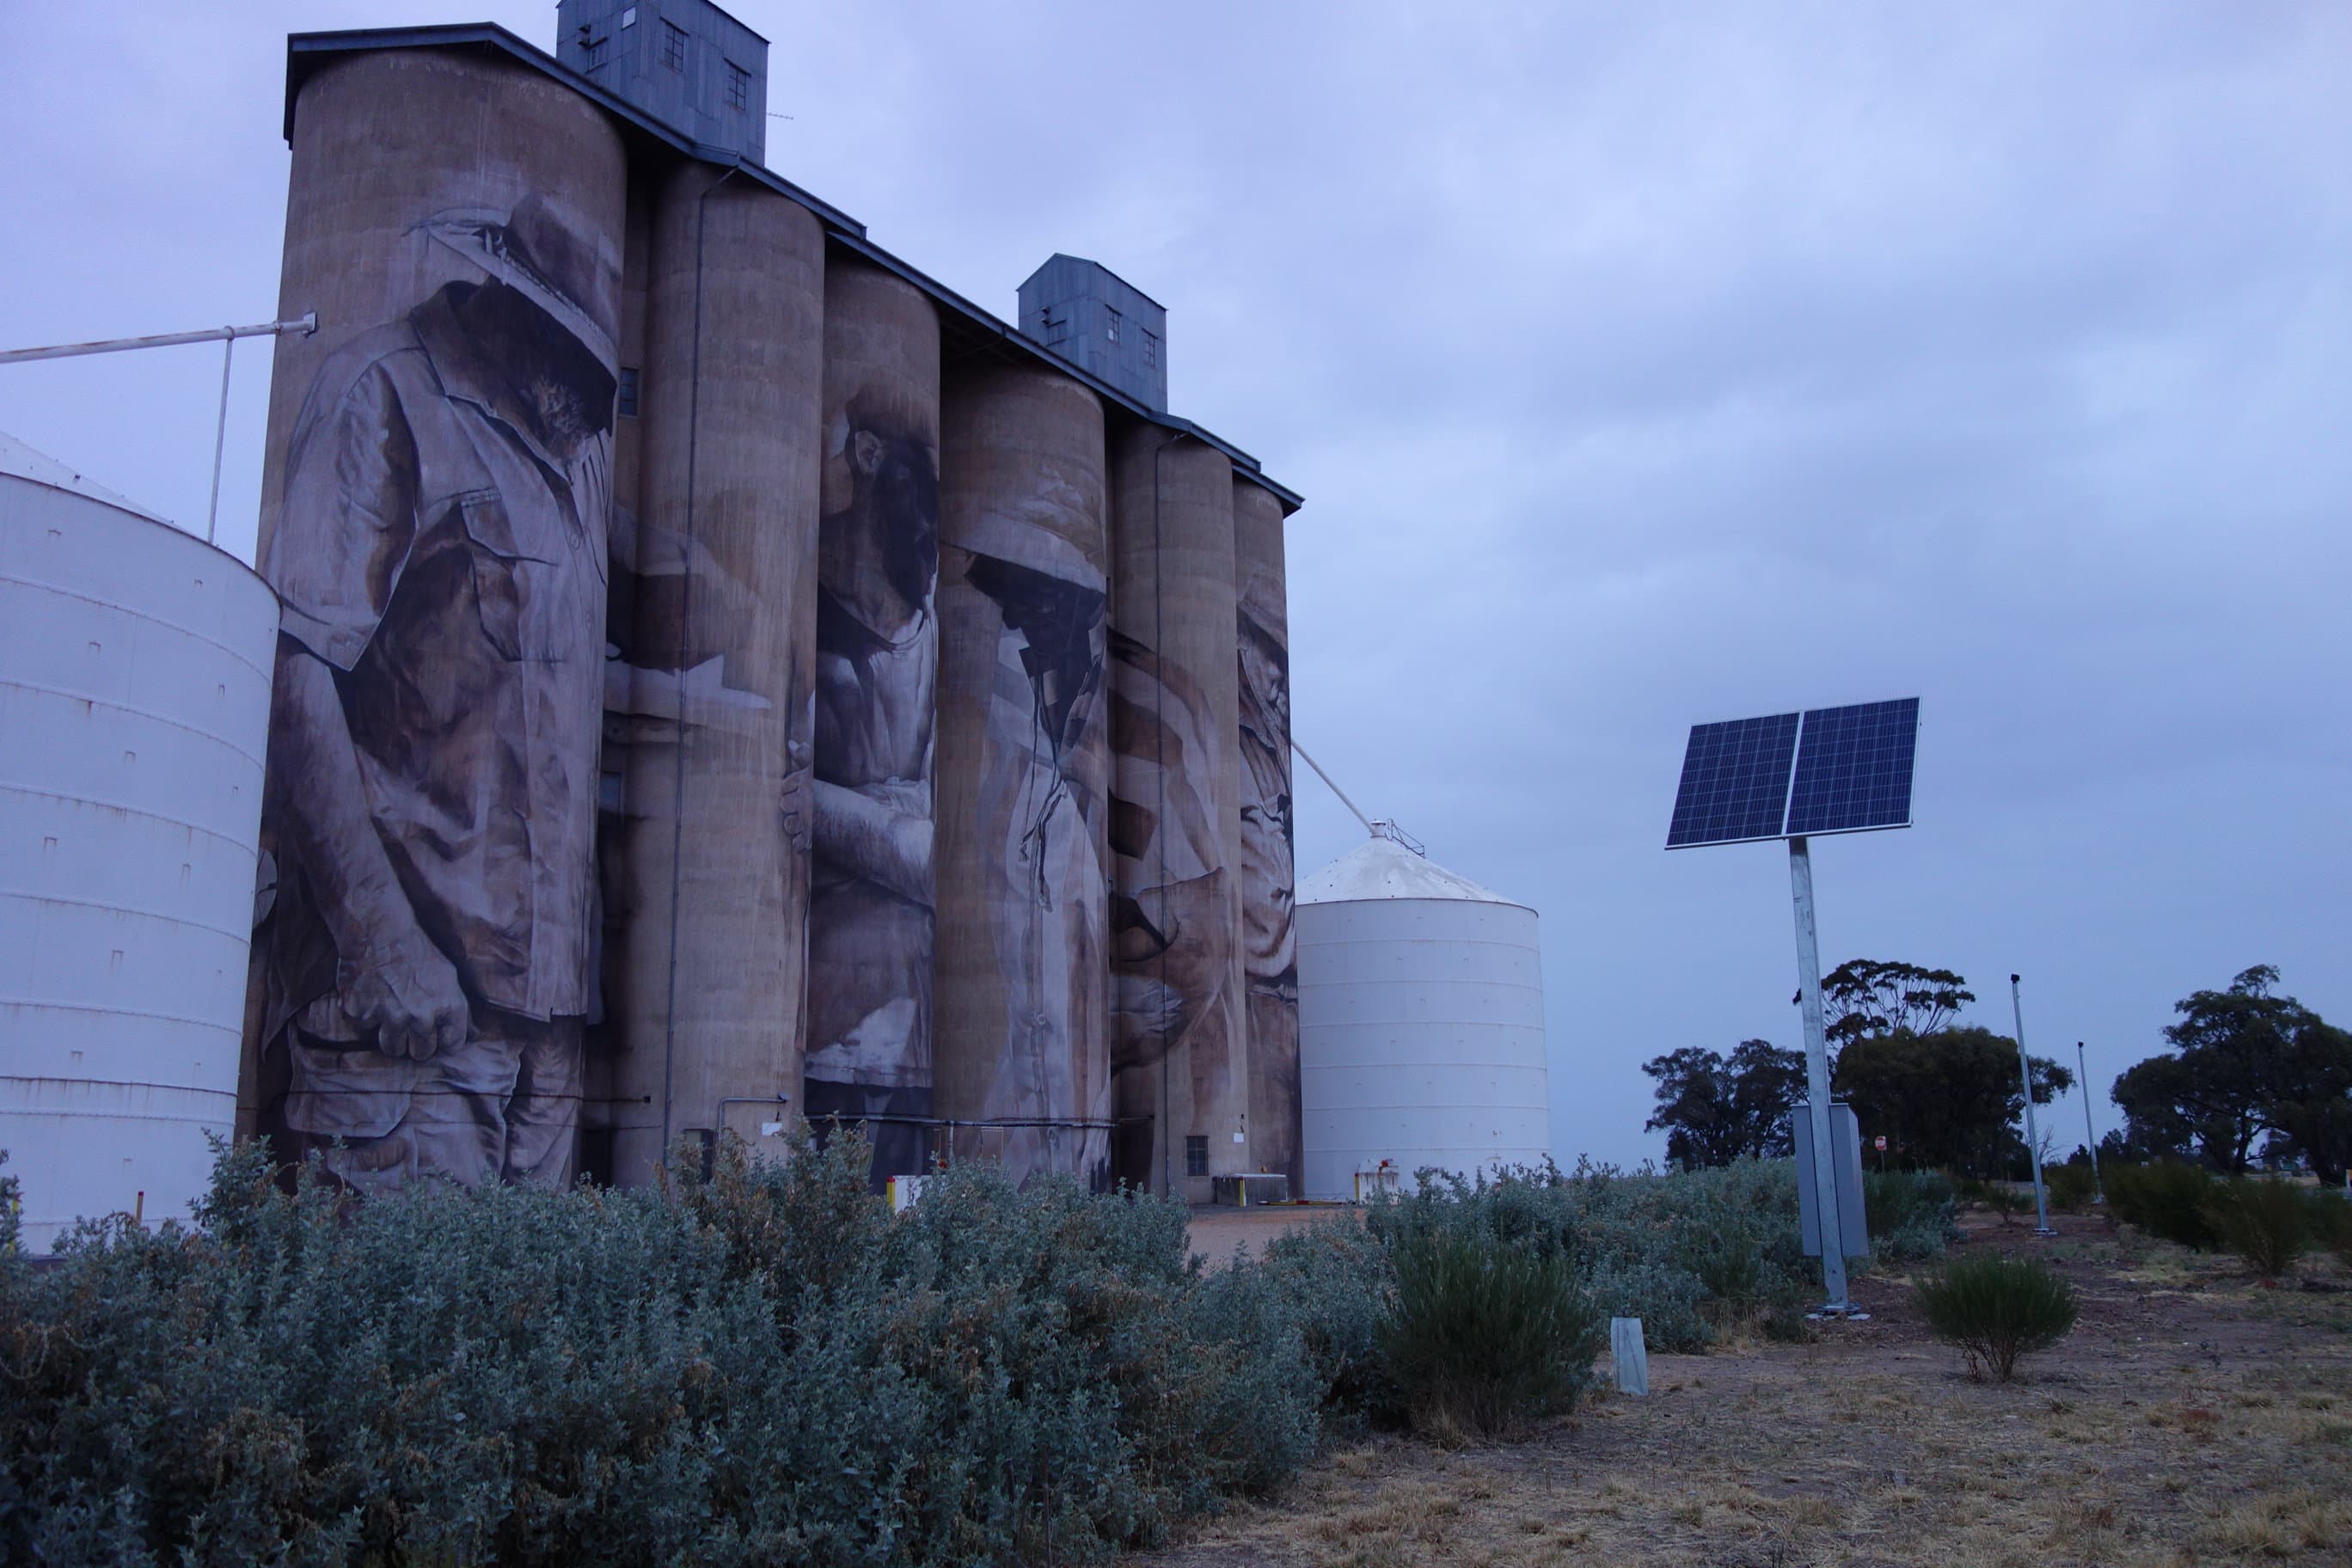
[546,260]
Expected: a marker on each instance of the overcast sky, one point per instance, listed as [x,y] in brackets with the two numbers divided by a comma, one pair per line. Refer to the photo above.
[1640,365]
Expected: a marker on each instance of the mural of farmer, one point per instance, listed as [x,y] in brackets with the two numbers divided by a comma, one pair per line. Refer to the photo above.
[432,795]
[870,903]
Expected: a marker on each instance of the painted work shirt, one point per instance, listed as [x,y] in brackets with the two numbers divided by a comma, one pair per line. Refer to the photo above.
[452,569]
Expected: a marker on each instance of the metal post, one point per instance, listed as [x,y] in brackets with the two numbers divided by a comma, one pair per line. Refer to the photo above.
[2090,1137]
[1817,1084]
[2033,1148]
[220,435]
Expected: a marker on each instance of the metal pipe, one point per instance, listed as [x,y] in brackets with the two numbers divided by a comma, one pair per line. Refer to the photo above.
[1817,1083]
[2033,1148]
[1334,788]
[2090,1137]
[220,437]
[307,325]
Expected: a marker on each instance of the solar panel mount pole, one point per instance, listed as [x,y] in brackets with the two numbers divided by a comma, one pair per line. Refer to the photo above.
[1823,1175]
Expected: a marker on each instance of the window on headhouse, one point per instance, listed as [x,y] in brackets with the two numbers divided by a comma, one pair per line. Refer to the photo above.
[628,392]
[674,45]
[1196,1156]
[596,53]
[1110,325]
[738,87]
[1151,347]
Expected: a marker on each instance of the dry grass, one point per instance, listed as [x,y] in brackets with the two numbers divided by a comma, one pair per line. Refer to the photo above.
[2192,1417]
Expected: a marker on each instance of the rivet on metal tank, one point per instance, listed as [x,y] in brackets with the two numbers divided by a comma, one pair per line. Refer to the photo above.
[1179,1041]
[1024,774]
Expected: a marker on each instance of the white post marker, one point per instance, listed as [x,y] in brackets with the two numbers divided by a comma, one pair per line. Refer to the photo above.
[1631,1357]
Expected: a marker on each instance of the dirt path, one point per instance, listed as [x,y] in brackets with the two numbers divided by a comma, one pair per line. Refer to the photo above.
[2193,1416]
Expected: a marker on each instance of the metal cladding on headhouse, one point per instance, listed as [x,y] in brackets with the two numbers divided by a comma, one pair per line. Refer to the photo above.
[1023,1007]
[685,721]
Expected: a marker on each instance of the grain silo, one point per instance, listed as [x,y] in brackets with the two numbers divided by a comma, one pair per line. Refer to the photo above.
[1421,1033]
[134,692]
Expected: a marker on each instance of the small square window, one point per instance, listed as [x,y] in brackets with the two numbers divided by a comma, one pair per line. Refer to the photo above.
[1110,325]
[673,46]
[628,392]
[1196,1156]
[1151,347]
[738,87]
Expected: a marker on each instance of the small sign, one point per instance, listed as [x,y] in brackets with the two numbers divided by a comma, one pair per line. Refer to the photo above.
[1881,1140]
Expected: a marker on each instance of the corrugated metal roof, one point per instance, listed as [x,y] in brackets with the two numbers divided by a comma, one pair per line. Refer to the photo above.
[961,322]
[1383,868]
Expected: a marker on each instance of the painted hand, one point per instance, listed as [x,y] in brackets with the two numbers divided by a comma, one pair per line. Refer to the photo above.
[408,993]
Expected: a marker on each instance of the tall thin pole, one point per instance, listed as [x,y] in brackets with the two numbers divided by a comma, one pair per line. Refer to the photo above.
[2090,1137]
[1817,1080]
[2033,1147]
[220,436]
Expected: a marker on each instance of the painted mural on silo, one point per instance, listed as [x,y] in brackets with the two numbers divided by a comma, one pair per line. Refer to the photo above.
[1024,775]
[709,694]
[1268,870]
[437,488]
[870,899]
[1180,1034]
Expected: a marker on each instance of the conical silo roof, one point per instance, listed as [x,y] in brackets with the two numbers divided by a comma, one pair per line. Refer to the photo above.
[1383,868]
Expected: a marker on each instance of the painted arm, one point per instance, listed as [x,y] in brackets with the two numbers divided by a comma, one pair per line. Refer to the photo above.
[392,978]
[870,835]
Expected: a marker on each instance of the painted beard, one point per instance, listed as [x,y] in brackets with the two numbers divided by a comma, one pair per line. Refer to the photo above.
[560,413]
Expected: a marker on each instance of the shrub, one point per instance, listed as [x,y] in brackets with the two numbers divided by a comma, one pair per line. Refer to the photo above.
[2167,1199]
[1997,1310]
[2071,1186]
[765,1365]
[2265,1222]
[1910,1212]
[1485,1334]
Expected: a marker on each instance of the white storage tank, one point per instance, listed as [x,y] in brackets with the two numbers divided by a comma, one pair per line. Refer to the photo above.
[1421,1024]
[135,666]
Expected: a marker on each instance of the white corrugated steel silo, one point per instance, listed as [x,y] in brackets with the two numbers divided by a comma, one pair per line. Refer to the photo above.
[1420,1023]
[135,665]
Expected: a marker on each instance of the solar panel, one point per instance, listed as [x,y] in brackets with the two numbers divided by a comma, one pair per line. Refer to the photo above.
[1854,768]
[1735,783]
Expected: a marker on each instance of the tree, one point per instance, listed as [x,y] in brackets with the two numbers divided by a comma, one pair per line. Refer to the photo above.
[1944,1099]
[1714,1111]
[2249,1064]
[1863,997]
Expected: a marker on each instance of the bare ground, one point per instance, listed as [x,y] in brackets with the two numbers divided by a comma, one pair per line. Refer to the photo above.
[2193,1416]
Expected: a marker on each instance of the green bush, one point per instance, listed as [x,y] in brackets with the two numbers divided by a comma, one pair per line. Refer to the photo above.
[1485,1334]
[1997,1310]
[2071,1186]
[1911,1213]
[764,1366]
[2168,1199]
[2265,1222]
